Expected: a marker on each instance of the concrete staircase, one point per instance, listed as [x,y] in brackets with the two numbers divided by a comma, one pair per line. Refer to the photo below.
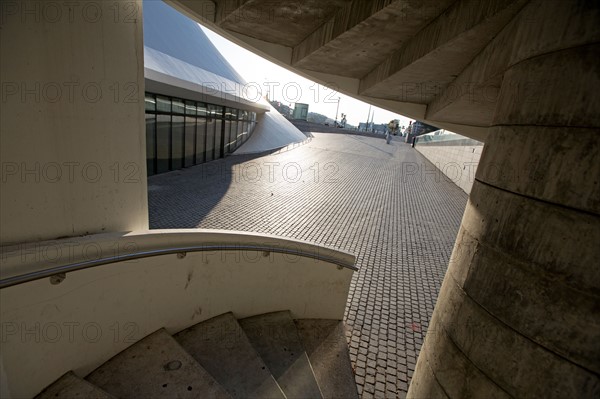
[265,356]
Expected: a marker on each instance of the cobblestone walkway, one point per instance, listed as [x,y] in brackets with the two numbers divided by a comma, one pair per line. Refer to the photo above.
[384,203]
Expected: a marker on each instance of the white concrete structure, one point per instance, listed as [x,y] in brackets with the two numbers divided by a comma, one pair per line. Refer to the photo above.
[520,76]
[180,61]
[273,131]
[518,313]
[74,194]
[183,66]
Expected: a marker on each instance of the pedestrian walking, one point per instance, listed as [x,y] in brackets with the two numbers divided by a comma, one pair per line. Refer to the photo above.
[392,127]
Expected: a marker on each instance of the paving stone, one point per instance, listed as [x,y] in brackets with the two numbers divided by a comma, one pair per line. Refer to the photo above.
[390,394]
[353,193]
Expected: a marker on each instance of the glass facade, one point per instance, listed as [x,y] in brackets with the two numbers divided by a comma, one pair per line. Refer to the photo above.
[182,133]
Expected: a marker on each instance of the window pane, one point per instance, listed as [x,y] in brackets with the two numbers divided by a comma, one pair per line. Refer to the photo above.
[190,138]
[190,107]
[218,137]
[216,111]
[202,109]
[150,102]
[227,138]
[177,142]
[150,144]
[210,140]
[233,136]
[245,132]
[163,104]
[178,107]
[200,139]
[163,133]
[240,133]
[230,113]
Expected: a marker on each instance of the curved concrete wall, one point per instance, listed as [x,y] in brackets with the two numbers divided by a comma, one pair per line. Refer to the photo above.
[78,324]
[517,314]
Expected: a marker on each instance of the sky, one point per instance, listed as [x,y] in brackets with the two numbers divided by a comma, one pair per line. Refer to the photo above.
[289,88]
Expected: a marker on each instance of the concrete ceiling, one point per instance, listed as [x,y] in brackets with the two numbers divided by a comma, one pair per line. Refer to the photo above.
[407,56]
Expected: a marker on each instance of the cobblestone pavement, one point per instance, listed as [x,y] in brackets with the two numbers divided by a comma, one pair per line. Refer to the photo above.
[384,203]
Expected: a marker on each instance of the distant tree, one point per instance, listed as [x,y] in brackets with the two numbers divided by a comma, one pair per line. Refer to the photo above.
[281,108]
[317,118]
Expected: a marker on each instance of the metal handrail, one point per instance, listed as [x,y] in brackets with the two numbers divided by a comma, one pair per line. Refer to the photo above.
[37,275]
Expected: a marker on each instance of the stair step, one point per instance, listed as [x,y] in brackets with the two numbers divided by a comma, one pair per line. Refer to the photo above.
[221,347]
[69,386]
[326,347]
[156,366]
[275,338]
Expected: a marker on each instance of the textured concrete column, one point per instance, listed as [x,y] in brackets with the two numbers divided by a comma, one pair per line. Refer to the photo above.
[518,312]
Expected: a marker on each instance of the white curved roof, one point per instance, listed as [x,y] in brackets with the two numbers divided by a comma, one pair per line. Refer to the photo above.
[180,60]
[168,31]
[272,131]
[177,53]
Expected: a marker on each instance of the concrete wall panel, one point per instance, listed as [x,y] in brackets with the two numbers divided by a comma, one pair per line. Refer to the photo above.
[458,163]
[72,119]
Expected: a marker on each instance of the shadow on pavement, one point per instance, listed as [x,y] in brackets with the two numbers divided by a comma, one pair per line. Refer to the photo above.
[175,189]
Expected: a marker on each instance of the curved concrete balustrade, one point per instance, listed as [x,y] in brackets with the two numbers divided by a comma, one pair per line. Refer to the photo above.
[82,321]
[31,261]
